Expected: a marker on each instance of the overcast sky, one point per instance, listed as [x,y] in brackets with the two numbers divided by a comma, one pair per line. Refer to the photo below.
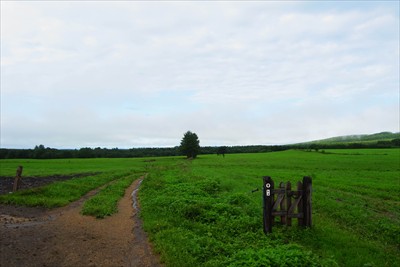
[140,74]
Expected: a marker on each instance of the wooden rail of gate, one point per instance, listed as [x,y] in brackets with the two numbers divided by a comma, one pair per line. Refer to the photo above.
[286,203]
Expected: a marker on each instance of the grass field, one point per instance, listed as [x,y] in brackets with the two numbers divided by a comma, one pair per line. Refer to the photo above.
[38,167]
[203,213]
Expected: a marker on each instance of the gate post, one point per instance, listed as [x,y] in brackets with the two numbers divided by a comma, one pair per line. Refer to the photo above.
[268,198]
[17,180]
[307,187]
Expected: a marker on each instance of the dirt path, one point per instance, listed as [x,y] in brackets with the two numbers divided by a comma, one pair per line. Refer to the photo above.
[64,237]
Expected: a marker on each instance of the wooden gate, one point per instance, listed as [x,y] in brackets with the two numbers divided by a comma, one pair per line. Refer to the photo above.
[285,203]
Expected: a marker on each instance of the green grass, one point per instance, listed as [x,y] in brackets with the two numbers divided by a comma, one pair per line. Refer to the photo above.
[39,167]
[60,193]
[105,203]
[202,212]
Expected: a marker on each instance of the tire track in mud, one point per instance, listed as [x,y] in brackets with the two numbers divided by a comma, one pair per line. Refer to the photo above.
[64,237]
[142,250]
[16,216]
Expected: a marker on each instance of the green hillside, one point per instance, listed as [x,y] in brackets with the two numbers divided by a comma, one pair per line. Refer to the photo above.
[363,138]
[383,136]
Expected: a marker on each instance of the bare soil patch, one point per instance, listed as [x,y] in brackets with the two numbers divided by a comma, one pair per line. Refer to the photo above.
[64,237]
[7,182]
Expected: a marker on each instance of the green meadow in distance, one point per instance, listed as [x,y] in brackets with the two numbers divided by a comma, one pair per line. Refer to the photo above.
[203,212]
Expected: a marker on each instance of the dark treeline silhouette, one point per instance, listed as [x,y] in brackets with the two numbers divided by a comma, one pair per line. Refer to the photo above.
[42,152]
[240,149]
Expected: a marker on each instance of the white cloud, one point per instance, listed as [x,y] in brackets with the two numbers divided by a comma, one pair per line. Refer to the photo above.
[149,71]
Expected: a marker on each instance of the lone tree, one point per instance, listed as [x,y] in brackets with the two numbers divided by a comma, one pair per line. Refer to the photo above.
[190,145]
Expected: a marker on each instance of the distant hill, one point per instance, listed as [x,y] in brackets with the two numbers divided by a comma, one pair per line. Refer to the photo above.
[363,138]
[380,139]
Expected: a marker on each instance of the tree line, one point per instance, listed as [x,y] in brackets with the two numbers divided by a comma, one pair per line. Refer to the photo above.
[41,152]
[189,147]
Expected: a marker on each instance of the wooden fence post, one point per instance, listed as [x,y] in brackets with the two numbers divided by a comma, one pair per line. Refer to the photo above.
[17,180]
[268,198]
[307,209]
[288,203]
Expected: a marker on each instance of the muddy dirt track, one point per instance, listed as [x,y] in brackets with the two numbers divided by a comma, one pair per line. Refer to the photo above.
[7,183]
[64,237]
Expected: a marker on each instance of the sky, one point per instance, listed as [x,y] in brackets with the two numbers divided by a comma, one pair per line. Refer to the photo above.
[141,73]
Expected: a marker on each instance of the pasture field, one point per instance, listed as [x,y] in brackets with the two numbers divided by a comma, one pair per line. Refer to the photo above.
[40,168]
[203,212]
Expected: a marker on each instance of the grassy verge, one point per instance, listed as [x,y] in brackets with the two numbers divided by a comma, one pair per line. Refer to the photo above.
[60,193]
[105,203]
[202,213]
